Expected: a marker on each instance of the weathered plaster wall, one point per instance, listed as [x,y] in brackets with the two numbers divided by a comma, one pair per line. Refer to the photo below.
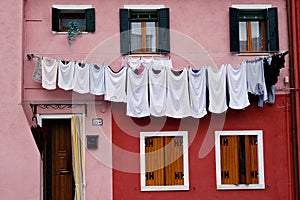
[20,161]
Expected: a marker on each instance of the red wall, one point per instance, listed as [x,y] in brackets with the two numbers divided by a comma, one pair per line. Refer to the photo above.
[271,119]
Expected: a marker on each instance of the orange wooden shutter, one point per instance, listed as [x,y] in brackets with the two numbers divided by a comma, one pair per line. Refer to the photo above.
[251,159]
[154,161]
[174,160]
[229,160]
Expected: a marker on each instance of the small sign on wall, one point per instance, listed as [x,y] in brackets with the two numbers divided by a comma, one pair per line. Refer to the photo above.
[97,121]
[92,141]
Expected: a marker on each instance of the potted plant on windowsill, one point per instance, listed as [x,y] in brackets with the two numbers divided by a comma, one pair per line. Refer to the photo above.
[73,31]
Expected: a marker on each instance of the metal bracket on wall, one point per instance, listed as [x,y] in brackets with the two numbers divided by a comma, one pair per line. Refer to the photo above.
[56,106]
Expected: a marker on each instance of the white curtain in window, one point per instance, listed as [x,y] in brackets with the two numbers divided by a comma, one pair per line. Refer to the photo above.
[78,156]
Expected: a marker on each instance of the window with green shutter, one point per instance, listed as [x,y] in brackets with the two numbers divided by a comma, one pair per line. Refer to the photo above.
[144,31]
[239,160]
[253,30]
[62,15]
[164,164]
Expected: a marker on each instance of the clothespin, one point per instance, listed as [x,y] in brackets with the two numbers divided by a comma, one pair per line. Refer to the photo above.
[30,56]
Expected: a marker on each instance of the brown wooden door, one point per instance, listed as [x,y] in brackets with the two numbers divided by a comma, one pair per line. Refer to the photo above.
[61,184]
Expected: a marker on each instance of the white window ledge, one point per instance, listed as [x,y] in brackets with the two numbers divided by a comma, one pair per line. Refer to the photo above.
[251,6]
[71,7]
[143,6]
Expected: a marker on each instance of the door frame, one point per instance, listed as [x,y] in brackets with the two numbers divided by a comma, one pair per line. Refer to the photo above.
[40,118]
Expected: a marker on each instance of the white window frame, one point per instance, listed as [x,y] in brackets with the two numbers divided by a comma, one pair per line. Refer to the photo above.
[183,134]
[261,177]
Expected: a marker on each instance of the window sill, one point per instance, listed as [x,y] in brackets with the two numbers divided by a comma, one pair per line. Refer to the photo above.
[147,55]
[165,188]
[253,53]
[65,33]
[240,187]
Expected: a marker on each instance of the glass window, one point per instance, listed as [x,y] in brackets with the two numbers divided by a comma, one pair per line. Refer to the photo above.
[143,38]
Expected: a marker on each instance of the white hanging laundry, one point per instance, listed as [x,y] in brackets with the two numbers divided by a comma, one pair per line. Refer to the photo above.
[147,62]
[157,90]
[66,75]
[164,62]
[197,91]
[237,86]
[178,103]
[37,73]
[256,80]
[134,63]
[115,84]
[81,78]
[49,73]
[137,93]
[217,89]
[97,79]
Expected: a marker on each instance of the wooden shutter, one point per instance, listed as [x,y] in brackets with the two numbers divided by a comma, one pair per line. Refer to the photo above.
[251,159]
[124,31]
[154,161]
[272,30]
[234,30]
[163,31]
[55,19]
[90,19]
[229,160]
[174,172]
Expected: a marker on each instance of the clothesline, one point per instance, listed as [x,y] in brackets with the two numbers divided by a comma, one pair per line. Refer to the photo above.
[151,86]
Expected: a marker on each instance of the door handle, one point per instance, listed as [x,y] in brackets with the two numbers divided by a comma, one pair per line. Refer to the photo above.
[63,172]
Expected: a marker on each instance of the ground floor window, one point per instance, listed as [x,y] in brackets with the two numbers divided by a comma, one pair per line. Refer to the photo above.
[239,159]
[164,161]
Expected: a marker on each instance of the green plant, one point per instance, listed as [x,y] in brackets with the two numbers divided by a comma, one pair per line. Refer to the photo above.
[73,31]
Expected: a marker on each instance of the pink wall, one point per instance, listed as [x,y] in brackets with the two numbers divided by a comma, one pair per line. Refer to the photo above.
[20,162]
[202,24]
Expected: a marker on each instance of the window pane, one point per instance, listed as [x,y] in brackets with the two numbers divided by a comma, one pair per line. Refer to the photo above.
[243,36]
[136,37]
[65,23]
[256,36]
[150,37]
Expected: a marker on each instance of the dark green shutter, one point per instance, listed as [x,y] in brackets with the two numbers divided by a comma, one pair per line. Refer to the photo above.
[55,19]
[124,31]
[164,31]
[234,29]
[272,30]
[90,19]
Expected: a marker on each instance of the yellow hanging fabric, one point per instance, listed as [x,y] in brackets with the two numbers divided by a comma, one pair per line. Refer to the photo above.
[78,157]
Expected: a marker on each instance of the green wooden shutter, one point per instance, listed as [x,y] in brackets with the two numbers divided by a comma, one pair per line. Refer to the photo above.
[90,19]
[164,31]
[272,30]
[55,19]
[124,31]
[234,30]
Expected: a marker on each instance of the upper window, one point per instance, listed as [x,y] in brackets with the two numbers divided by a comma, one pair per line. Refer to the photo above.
[62,15]
[144,31]
[164,161]
[253,30]
[239,160]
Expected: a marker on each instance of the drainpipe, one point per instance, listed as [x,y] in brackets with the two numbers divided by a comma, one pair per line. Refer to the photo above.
[294,79]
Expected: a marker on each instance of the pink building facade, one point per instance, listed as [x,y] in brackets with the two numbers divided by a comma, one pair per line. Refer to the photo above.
[200,35]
